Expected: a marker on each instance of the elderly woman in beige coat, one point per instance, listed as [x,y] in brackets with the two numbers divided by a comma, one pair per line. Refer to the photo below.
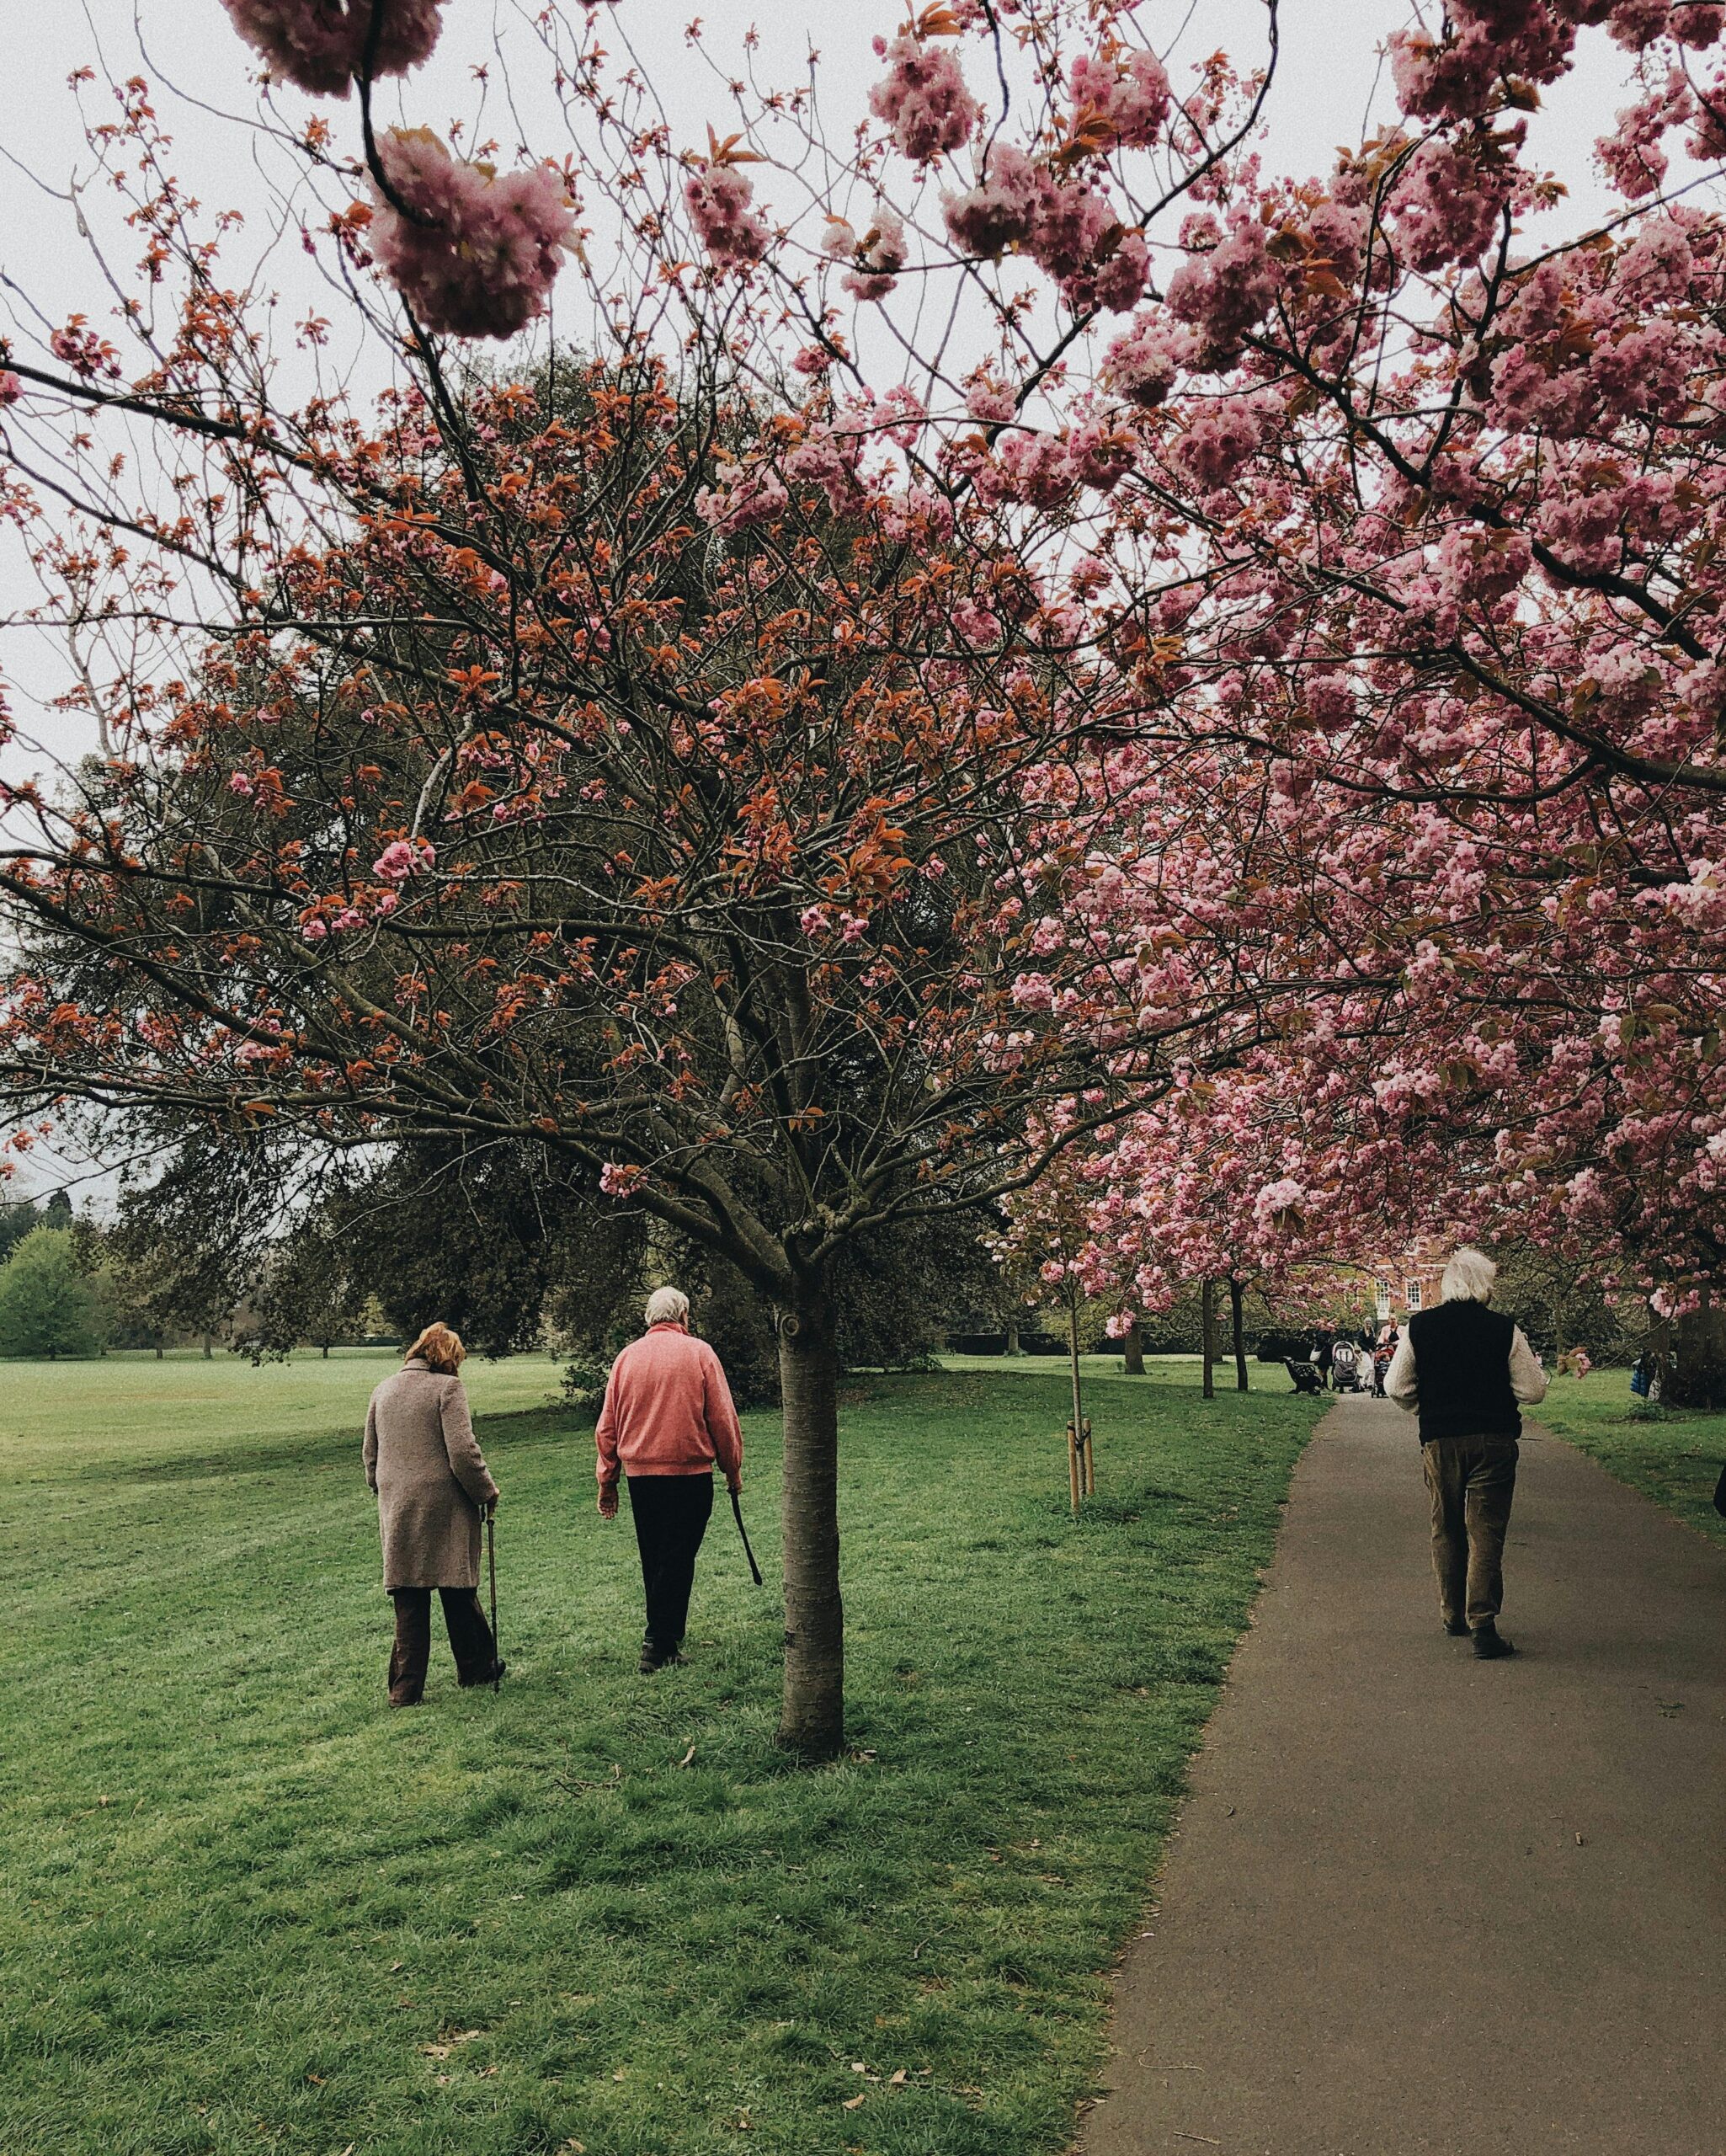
[432,1486]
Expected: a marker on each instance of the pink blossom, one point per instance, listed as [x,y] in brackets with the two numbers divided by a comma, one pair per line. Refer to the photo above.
[922,98]
[1448,205]
[239,783]
[1220,438]
[721,198]
[998,211]
[1036,469]
[741,498]
[11,388]
[1143,361]
[313,928]
[990,401]
[878,256]
[483,262]
[1222,293]
[404,858]
[618,1181]
[1099,454]
[320,45]
[1128,98]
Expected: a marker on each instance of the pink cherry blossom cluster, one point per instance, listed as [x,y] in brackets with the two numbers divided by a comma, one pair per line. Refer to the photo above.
[721,202]
[922,97]
[474,253]
[1128,96]
[405,858]
[877,257]
[320,45]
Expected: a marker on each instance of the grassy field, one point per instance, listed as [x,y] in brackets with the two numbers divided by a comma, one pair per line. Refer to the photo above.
[1674,1458]
[248,1908]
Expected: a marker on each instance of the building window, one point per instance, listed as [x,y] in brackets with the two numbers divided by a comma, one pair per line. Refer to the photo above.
[1413,1295]
[1381,1288]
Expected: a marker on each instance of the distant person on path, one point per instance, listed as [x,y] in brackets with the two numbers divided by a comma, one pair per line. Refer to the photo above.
[432,1485]
[1464,1369]
[668,1420]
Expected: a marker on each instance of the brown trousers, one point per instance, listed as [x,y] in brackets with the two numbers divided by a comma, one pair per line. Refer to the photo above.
[1471,1481]
[471,1640]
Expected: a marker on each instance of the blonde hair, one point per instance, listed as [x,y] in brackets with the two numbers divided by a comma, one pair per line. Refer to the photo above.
[440,1347]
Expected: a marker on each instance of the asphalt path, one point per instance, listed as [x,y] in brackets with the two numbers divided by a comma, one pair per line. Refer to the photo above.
[1419,1905]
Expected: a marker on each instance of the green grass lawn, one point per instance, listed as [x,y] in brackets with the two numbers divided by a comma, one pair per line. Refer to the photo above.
[1674,1458]
[248,1908]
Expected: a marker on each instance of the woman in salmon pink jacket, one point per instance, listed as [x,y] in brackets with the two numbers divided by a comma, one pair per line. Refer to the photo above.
[667,1422]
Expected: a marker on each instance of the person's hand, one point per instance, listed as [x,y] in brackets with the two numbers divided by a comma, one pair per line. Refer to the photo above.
[734,1483]
[491,1503]
[608,1501]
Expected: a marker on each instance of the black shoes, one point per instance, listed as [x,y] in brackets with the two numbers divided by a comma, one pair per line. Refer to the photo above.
[653,1659]
[1458,1627]
[1489,1644]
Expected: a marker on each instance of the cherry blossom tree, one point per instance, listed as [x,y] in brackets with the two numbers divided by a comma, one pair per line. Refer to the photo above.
[1015,613]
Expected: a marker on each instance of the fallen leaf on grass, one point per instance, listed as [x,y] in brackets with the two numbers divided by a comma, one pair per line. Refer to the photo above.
[897,2080]
[851,2103]
[687,1756]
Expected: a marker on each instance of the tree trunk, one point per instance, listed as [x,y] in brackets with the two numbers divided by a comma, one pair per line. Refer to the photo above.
[209,1347]
[1078,1396]
[1134,1346]
[1698,1374]
[326,1351]
[158,1351]
[1208,1305]
[1013,1347]
[1236,1314]
[811,1714]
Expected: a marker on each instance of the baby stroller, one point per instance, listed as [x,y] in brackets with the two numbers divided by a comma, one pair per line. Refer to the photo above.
[1346,1367]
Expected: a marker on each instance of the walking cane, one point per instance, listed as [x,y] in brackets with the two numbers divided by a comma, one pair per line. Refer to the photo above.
[737,1510]
[491,1567]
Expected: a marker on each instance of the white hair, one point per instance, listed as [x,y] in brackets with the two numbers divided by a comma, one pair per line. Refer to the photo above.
[668,1307]
[1468,1277]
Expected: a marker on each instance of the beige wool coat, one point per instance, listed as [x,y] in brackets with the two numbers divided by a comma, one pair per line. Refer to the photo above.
[431,1476]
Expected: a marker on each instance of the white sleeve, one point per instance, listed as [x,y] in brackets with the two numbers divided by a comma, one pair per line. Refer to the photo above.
[1400,1383]
[1527,1378]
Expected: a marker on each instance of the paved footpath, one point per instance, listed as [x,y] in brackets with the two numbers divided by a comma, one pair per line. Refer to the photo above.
[1418,1905]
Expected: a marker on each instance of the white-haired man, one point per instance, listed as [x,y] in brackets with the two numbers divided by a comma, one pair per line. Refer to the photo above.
[1467,1372]
[668,1420]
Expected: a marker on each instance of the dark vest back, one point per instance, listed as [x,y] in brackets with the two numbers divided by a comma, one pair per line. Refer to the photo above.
[1463,1369]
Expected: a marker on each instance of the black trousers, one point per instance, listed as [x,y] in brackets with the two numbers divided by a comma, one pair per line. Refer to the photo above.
[671,1513]
[471,1640]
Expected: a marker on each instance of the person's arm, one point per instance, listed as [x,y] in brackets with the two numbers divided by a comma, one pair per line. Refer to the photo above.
[466,1461]
[721,1417]
[1400,1382]
[368,1451]
[606,1466]
[1527,1378]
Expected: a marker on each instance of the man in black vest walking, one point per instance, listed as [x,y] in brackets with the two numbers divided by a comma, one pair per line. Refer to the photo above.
[1465,1371]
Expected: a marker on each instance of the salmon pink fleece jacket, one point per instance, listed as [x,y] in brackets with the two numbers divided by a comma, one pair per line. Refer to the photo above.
[667,1411]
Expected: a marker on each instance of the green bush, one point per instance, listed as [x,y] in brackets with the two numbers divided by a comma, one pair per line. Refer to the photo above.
[47,1308]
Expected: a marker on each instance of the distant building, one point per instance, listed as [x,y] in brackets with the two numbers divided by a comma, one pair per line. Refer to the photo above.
[1410,1282]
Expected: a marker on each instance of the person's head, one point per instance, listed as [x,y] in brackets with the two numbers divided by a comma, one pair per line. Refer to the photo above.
[440,1348]
[668,1307]
[1468,1277]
